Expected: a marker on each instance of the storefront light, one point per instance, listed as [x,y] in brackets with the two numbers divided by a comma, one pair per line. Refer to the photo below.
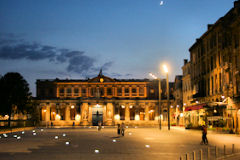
[184,104]
[44,110]
[177,106]
[98,106]
[123,106]
[222,97]
[6,116]
[197,102]
[171,106]
[215,111]
[181,114]
[130,106]
[72,107]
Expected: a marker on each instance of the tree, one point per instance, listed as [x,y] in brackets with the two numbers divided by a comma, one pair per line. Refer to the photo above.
[14,94]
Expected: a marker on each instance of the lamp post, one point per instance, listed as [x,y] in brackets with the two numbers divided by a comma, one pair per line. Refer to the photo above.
[166,71]
[159,99]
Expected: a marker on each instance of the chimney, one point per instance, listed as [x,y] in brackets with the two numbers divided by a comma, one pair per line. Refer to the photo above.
[237,4]
[185,61]
[209,26]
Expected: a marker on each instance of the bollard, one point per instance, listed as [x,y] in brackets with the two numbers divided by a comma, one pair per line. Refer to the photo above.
[201,155]
[224,149]
[181,158]
[216,152]
[233,148]
[187,156]
[194,155]
[208,155]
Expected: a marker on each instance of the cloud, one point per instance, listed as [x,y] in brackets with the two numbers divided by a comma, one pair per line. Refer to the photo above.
[14,48]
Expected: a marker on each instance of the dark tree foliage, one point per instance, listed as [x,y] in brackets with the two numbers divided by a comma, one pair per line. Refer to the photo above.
[14,93]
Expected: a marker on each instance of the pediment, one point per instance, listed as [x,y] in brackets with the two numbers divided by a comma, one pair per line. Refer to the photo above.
[101,79]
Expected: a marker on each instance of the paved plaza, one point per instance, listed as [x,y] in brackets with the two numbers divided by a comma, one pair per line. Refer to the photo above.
[90,144]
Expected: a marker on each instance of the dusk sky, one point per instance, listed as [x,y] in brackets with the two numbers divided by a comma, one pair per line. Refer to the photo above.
[46,39]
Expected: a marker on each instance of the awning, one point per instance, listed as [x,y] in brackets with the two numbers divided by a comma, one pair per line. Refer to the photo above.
[217,104]
[195,107]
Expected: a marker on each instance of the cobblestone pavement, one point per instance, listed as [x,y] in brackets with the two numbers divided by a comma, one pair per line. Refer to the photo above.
[90,144]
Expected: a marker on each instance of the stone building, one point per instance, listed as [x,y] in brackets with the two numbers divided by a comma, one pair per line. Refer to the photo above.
[110,101]
[215,76]
[177,106]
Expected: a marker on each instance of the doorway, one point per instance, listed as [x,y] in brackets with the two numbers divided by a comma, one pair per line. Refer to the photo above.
[97,115]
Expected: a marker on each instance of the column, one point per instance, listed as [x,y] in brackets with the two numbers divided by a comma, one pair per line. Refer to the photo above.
[84,114]
[67,113]
[47,113]
[127,112]
[104,109]
[109,114]
[146,113]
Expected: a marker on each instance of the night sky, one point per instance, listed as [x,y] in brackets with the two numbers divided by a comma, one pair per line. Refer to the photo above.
[46,39]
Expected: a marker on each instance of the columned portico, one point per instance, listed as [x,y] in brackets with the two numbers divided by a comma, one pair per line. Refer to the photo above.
[90,112]
[67,113]
[84,114]
[127,113]
[146,113]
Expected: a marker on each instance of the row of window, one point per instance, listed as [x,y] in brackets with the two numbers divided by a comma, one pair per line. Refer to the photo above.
[101,91]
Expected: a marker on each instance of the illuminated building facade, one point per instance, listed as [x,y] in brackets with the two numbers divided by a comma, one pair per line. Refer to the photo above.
[215,76]
[100,99]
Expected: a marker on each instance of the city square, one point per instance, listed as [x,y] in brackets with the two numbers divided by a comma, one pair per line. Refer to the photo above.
[138,143]
[111,79]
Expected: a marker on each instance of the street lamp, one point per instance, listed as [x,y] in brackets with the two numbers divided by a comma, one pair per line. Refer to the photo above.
[166,71]
[159,99]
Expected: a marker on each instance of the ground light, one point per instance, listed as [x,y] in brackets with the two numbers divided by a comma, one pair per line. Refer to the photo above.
[96,151]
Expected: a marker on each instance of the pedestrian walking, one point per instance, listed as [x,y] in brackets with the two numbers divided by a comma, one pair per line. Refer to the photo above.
[122,128]
[99,125]
[204,135]
[118,129]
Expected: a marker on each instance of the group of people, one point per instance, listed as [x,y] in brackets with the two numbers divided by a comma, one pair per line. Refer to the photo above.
[121,129]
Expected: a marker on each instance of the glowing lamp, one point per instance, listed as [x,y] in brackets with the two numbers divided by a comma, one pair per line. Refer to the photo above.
[181,114]
[77,117]
[117,117]
[58,117]
[165,68]
[137,117]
